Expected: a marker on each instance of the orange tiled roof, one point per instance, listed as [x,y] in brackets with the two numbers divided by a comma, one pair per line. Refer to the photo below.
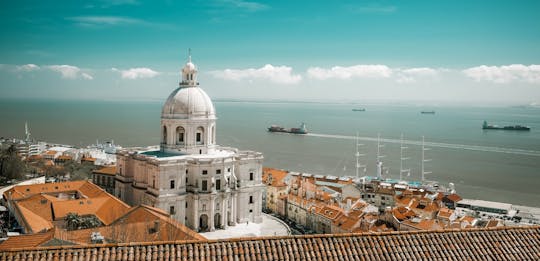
[64,157]
[503,243]
[424,224]
[454,197]
[277,176]
[138,225]
[109,170]
[50,152]
[41,204]
[445,213]
[26,241]
[330,212]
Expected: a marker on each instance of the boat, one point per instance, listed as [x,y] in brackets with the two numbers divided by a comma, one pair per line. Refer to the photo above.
[361,109]
[427,112]
[487,126]
[301,130]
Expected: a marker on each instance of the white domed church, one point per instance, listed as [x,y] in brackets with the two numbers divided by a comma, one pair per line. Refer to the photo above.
[201,184]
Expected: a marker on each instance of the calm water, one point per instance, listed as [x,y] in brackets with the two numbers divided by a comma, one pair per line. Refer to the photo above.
[512,177]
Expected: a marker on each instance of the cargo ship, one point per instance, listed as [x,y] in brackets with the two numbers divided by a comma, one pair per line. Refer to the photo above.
[301,130]
[361,109]
[487,126]
[427,112]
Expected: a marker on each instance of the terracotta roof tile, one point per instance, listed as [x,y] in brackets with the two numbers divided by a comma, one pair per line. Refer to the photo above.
[277,176]
[518,243]
[26,241]
[41,204]
[109,170]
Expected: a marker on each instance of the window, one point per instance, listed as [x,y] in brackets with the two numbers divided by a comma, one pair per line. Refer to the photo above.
[218,184]
[186,171]
[228,169]
[198,137]
[186,180]
[218,171]
[171,210]
[180,132]
[251,176]
[251,211]
[250,199]
[204,185]
[172,184]
[186,205]
[164,135]
[204,172]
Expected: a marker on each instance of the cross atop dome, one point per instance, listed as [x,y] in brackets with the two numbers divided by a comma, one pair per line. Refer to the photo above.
[189,73]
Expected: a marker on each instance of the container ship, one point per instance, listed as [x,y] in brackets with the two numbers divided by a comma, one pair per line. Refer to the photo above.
[487,126]
[301,130]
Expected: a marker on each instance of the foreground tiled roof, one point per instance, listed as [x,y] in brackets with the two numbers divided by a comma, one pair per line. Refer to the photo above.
[520,243]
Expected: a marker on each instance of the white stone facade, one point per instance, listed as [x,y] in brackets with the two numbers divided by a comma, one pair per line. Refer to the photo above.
[201,184]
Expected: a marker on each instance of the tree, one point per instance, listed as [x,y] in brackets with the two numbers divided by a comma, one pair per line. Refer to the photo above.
[74,221]
[11,165]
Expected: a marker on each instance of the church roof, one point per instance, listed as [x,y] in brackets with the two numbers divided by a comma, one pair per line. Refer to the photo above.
[502,243]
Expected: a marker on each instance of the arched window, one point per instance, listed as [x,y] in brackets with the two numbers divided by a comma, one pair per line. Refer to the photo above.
[199,139]
[180,135]
[164,140]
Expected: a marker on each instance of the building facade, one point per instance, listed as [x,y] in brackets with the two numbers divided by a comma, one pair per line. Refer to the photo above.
[201,184]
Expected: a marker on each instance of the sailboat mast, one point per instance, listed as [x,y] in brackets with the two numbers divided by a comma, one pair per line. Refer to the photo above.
[358,155]
[402,158]
[424,160]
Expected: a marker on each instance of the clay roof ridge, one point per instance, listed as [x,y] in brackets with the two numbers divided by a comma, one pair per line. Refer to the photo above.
[293,237]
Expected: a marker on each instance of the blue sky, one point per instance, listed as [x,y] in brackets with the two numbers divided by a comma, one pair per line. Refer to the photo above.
[432,51]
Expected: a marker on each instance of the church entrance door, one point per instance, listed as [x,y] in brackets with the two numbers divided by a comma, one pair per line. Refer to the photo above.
[217,220]
[203,223]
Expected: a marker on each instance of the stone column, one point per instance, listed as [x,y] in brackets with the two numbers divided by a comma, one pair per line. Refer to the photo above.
[224,211]
[195,203]
[212,210]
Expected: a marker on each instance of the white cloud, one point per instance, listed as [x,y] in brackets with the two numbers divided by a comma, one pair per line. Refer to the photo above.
[27,67]
[136,73]
[70,72]
[356,71]
[87,76]
[505,73]
[414,74]
[246,5]
[277,74]
[104,20]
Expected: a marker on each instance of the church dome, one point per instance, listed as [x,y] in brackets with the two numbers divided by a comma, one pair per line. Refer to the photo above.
[188,102]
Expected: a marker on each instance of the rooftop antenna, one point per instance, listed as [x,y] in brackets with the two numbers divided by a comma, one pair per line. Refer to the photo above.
[424,160]
[358,155]
[379,156]
[402,159]
[189,54]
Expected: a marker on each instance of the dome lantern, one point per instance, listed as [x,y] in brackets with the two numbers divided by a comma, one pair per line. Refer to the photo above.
[189,74]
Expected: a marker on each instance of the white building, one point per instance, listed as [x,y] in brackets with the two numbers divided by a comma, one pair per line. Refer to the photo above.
[201,184]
